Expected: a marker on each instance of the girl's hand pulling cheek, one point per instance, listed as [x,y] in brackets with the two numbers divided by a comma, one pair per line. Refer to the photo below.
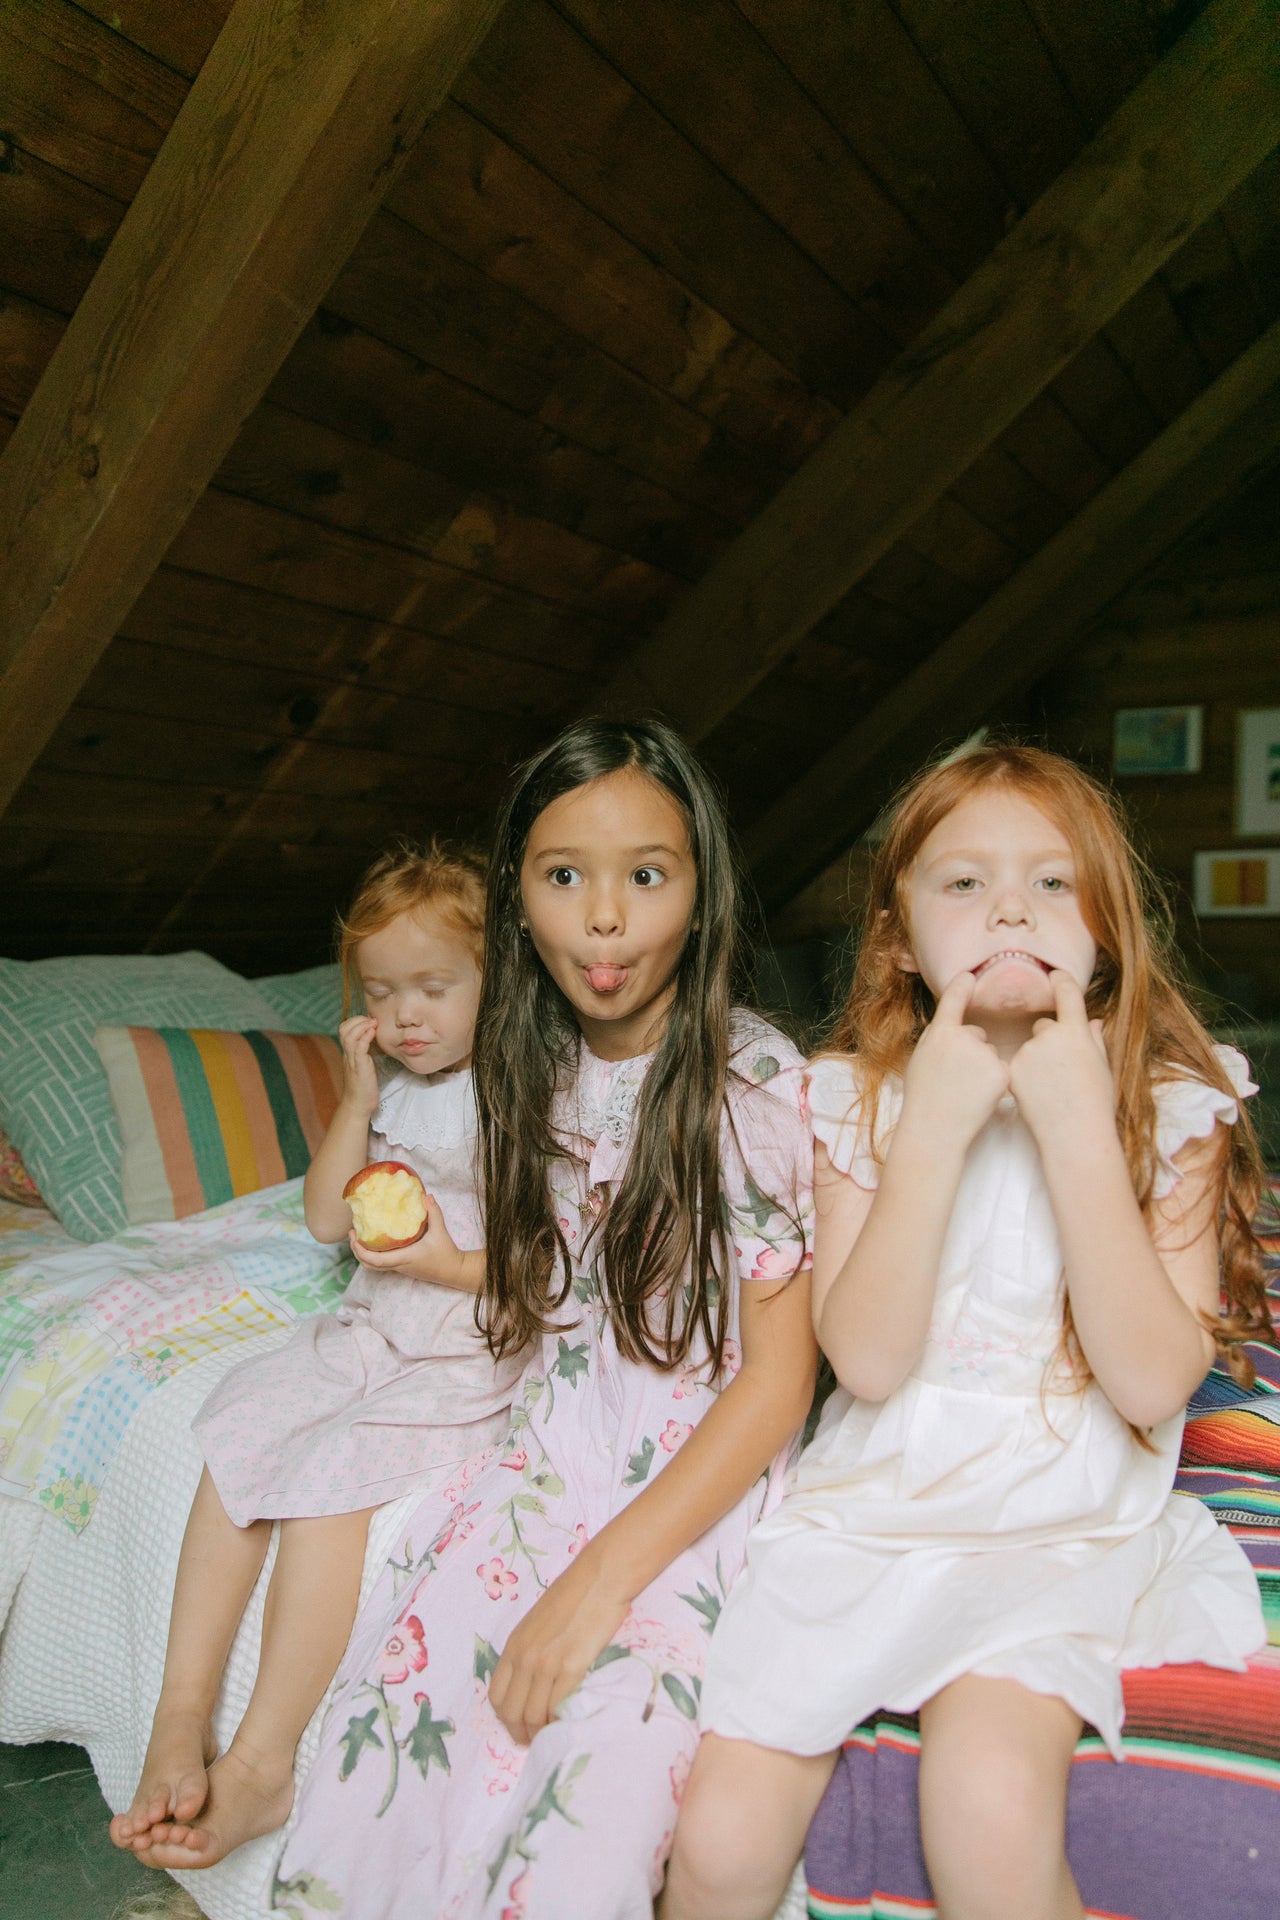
[360,1089]
[955,1078]
[435,1257]
[552,1649]
[1061,1077]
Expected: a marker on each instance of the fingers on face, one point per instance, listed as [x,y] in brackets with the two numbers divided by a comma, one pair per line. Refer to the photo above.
[1067,997]
[954,1000]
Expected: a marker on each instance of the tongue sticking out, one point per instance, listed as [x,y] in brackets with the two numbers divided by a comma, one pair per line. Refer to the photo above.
[603,979]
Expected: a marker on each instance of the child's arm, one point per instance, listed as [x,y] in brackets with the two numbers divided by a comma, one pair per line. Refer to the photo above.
[436,1257]
[735,1441]
[1137,1291]
[345,1148]
[875,1259]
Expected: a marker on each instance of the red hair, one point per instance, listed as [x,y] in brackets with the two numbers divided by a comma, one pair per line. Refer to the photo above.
[438,879]
[1151,1029]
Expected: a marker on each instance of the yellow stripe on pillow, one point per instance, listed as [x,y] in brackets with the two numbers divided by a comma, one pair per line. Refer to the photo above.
[205,1116]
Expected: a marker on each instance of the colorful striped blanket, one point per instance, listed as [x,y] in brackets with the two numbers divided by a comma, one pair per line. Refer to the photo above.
[87,1332]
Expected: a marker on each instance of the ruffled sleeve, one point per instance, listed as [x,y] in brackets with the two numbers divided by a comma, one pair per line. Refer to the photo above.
[836,1110]
[1188,1109]
[767,1155]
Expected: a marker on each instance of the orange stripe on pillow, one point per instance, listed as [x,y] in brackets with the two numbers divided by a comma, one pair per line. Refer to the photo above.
[170,1121]
[233,1122]
[259,1118]
[304,1100]
[325,1074]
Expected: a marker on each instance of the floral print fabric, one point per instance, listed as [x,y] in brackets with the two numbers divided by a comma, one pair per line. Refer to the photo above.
[419,1801]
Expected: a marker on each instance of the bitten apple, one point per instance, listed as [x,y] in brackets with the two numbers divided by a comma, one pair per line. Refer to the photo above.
[388,1206]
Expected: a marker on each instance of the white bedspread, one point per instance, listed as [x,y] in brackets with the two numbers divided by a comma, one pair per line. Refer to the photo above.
[83,1648]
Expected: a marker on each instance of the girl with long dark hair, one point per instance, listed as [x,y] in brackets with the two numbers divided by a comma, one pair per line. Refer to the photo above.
[516,1712]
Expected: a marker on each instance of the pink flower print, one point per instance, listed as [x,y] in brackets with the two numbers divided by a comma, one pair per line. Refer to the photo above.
[686,1384]
[570,1233]
[732,1357]
[404,1652]
[679,1775]
[517,1894]
[518,1460]
[673,1436]
[773,1264]
[579,1539]
[595,1203]
[457,1523]
[499,1579]
[505,1769]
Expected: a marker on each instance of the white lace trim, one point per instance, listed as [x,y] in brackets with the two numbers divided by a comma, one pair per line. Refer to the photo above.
[430,1111]
[1188,1109]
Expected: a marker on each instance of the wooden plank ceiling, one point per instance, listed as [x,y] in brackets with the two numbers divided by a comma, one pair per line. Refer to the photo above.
[639,265]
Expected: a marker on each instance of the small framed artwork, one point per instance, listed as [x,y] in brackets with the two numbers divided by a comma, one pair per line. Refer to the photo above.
[1258,772]
[1242,882]
[1158,739]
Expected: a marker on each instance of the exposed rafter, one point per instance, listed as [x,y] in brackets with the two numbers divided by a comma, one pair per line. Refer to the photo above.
[290,136]
[1195,127]
[1201,458]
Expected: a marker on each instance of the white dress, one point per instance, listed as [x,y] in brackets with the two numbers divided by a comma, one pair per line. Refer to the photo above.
[989,1517]
[362,1404]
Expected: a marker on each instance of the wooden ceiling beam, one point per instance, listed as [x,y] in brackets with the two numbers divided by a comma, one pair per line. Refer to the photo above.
[1214,447]
[1195,127]
[296,124]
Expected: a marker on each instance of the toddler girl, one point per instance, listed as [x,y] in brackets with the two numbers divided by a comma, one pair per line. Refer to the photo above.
[360,1404]
[1033,1176]
[516,1713]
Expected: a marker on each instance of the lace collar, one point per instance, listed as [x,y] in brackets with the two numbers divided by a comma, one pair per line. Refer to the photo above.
[431,1110]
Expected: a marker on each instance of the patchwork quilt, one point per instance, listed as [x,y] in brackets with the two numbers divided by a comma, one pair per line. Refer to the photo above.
[88,1332]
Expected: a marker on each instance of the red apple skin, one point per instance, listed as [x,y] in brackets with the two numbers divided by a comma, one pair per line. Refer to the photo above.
[381,1242]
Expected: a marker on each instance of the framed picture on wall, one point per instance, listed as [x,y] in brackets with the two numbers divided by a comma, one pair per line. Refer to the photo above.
[1243,882]
[1258,772]
[1157,739]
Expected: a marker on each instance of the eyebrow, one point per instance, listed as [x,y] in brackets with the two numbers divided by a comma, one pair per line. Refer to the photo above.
[976,857]
[658,846]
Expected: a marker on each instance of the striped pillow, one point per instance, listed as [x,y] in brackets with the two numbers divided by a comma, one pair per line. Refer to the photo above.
[205,1115]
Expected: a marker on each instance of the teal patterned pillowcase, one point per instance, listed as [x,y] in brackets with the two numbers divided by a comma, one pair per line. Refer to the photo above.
[55,1100]
[307,1002]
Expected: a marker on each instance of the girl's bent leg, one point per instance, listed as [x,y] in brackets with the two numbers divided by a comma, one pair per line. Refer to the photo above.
[217,1569]
[742,1824]
[994,1763]
[310,1605]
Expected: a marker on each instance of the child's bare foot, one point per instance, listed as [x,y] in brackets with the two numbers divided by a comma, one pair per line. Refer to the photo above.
[249,1794]
[174,1775]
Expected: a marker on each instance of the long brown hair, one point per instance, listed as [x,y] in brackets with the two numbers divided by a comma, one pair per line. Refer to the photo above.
[1137,992]
[660,1246]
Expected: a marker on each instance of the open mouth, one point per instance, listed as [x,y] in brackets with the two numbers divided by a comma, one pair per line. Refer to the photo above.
[1011,953]
[605,979]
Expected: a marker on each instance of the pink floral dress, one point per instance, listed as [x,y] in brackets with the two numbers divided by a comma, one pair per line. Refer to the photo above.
[419,1803]
[368,1403]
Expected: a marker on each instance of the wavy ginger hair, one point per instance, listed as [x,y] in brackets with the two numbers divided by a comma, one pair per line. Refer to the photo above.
[438,879]
[1151,1029]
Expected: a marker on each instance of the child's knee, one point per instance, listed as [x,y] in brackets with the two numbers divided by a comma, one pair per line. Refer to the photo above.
[991,1820]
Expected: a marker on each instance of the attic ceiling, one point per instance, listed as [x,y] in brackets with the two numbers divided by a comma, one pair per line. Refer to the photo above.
[641,263]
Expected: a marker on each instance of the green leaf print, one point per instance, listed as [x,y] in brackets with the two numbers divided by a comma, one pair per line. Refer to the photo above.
[304,1893]
[549,1483]
[639,1464]
[760,1205]
[554,1797]
[764,1068]
[680,1696]
[706,1603]
[570,1361]
[486,1658]
[358,1736]
[606,1658]
[425,1743]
